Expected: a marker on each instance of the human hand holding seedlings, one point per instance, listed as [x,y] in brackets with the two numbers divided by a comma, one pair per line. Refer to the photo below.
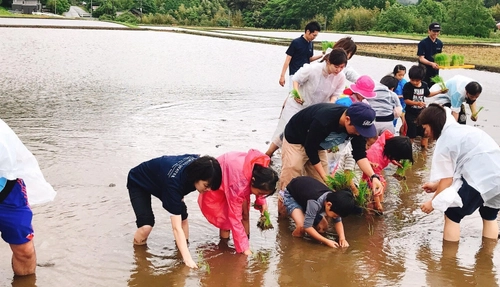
[376,186]
[474,115]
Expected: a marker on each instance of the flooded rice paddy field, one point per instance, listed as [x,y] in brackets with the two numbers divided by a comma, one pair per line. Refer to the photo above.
[93,104]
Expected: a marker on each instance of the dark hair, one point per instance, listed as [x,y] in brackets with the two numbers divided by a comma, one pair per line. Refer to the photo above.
[398,68]
[389,81]
[434,116]
[337,57]
[348,45]
[264,178]
[417,72]
[342,202]
[205,168]
[473,88]
[398,148]
[312,27]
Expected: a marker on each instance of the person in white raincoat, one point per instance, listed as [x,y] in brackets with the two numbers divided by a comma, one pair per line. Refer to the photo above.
[465,172]
[21,185]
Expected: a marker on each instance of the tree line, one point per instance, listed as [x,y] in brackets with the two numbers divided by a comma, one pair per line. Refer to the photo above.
[457,17]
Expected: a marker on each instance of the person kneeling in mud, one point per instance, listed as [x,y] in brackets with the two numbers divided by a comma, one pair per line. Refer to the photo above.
[306,199]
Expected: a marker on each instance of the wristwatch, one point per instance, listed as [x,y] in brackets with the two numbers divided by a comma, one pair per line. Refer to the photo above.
[374,176]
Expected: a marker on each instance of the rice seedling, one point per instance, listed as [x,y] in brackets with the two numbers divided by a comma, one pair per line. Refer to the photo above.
[364,195]
[439,80]
[405,165]
[295,94]
[442,59]
[202,263]
[264,222]
[340,181]
[261,256]
[475,114]
[326,44]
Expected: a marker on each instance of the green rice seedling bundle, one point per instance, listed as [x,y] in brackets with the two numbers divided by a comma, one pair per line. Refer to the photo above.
[455,60]
[364,194]
[326,44]
[340,181]
[439,80]
[264,222]
[295,94]
[475,114]
[442,59]
[405,165]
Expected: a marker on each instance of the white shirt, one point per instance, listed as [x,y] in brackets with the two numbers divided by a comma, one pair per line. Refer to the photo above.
[468,152]
[456,92]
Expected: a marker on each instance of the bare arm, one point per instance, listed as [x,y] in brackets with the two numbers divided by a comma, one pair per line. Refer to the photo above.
[180,240]
[366,167]
[473,110]
[339,227]
[314,234]
[442,185]
[314,58]
[424,61]
[283,70]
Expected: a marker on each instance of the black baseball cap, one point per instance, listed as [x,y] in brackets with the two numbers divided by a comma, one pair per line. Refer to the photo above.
[434,26]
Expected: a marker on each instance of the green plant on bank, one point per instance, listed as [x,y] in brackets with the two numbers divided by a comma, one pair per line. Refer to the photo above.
[326,44]
[202,263]
[364,194]
[340,181]
[295,94]
[4,12]
[264,222]
[476,113]
[440,81]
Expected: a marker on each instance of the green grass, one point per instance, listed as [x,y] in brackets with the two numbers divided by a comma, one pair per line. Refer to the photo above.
[4,12]
[449,39]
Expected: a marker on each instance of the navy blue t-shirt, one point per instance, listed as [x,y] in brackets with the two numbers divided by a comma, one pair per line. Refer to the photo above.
[164,177]
[301,51]
[429,49]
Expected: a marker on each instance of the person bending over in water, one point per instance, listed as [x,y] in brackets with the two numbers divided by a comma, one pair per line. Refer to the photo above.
[228,208]
[306,199]
[465,172]
[170,178]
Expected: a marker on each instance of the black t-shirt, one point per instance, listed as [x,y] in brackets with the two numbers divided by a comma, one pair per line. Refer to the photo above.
[428,49]
[416,94]
[310,126]
[304,188]
[164,178]
[301,51]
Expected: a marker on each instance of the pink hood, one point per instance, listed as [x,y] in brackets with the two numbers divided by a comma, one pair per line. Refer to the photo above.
[223,207]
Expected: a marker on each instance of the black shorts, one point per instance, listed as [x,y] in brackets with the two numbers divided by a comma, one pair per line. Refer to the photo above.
[462,116]
[141,203]
[413,129]
[471,200]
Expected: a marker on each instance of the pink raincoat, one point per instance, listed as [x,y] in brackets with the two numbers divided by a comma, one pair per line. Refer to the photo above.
[375,154]
[223,207]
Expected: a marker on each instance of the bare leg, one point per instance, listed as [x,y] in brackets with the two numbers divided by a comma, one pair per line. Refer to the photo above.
[451,230]
[23,258]
[281,209]
[298,217]
[224,234]
[490,229]
[142,234]
[272,148]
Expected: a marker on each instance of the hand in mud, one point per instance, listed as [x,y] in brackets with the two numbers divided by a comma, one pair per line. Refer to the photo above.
[343,243]
[430,187]
[332,244]
[191,264]
[427,207]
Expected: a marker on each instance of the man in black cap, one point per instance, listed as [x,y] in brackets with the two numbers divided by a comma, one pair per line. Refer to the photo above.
[427,48]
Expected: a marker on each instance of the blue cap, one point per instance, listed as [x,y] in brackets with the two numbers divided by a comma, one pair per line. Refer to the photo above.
[362,118]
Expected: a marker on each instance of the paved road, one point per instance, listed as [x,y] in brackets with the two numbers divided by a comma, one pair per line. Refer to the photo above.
[76,12]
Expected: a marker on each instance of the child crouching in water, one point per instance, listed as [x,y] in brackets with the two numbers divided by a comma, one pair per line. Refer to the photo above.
[387,149]
[306,199]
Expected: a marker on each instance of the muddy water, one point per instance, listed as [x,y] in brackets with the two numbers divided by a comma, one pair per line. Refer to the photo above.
[92,104]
